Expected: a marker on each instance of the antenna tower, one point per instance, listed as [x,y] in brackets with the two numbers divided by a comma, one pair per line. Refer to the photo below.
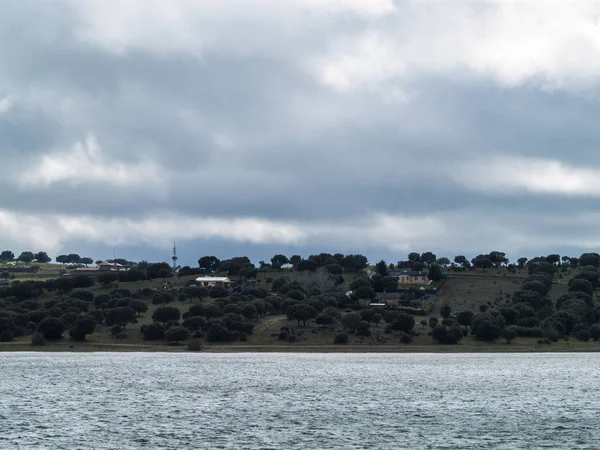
[174,257]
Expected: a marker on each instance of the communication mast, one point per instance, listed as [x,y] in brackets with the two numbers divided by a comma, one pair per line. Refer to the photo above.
[174,257]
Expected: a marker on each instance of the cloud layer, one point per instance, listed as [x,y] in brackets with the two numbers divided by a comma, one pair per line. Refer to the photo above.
[382,127]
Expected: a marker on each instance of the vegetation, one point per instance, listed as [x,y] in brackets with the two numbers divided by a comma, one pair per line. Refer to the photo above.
[295,302]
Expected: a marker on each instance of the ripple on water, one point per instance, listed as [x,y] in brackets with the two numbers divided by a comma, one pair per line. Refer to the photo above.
[289,401]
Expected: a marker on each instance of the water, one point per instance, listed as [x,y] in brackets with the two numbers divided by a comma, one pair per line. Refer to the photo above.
[289,401]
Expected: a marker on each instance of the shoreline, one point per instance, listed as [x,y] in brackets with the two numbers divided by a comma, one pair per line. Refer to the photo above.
[67,347]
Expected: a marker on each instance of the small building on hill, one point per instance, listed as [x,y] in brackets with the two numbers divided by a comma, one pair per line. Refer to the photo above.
[223,282]
[411,277]
[391,299]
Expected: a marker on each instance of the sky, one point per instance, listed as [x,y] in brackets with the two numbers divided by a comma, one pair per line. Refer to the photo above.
[256,127]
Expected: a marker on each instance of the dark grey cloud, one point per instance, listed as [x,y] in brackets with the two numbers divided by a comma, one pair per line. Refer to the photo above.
[288,127]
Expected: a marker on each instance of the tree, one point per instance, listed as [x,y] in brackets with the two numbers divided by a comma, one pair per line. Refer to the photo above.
[445,310]
[553,258]
[42,257]
[85,325]
[487,331]
[404,322]
[106,279]
[194,323]
[87,260]
[138,306]
[278,261]
[581,285]
[464,318]
[341,339]
[306,265]
[73,258]
[435,273]
[363,328]
[447,335]
[26,257]
[153,332]
[365,292]
[162,298]
[460,260]
[165,314]
[351,321]
[7,255]
[381,268]
[295,260]
[428,258]
[302,313]
[164,273]
[51,328]
[177,334]
[521,262]
[589,259]
[482,262]
[121,316]
[209,263]
[509,334]
[443,261]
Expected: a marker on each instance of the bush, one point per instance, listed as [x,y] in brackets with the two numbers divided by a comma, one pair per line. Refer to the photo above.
[166,314]
[85,325]
[406,338]
[528,331]
[583,335]
[194,345]
[445,335]
[341,339]
[37,340]
[51,328]
[509,334]
[177,334]
[83,294]
[363,329]
[153,332]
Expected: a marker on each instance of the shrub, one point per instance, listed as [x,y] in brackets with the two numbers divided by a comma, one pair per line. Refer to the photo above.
[583,335]
[83,326]
[153,332]
[194,345]
[509,334]
[177,334]
[406,338]
[363,329]
[166,314]
[83,294]
[341,339]
[445,335]
[37,340]
[51,328]
[138,306]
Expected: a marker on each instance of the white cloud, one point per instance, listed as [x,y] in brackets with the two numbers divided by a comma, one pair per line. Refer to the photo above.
[556,43]
[194,26]
[6,104]
[381,232]
[86,162]
[504,174]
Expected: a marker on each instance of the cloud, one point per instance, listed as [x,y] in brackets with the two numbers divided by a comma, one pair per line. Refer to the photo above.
[85,162]
[6,104]
[503,175]
[372,126]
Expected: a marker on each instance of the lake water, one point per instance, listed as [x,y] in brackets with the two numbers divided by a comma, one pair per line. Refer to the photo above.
[304,401]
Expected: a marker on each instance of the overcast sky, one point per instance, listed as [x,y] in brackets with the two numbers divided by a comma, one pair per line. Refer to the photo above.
[250,127]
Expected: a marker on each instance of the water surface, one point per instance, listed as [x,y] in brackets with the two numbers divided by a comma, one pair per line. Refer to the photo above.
[289,401]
